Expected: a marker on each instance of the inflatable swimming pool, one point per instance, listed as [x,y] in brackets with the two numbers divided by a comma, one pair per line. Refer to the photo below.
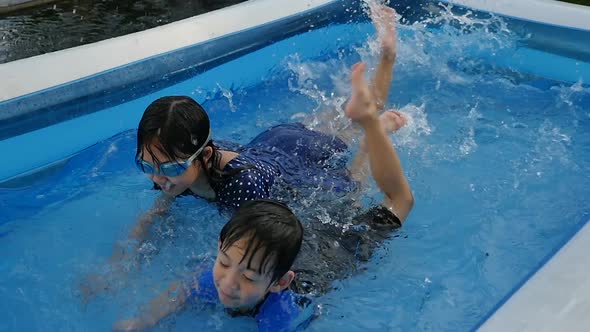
[496,152]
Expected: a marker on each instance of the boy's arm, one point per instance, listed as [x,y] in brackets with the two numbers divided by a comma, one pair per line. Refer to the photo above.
[391,121]
[169,301]
[385,165]
[387,170]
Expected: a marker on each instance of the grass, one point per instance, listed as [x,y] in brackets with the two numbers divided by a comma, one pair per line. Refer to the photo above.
[579,2]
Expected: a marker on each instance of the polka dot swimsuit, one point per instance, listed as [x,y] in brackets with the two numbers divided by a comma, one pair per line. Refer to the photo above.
[254,181]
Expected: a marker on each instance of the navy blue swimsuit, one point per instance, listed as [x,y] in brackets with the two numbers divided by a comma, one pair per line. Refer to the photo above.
[298,156]
[253,181]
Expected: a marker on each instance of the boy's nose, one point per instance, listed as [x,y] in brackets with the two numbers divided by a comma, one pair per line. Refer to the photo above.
[232,281]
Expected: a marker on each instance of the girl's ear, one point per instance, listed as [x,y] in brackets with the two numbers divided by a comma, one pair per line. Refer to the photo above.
[207,154]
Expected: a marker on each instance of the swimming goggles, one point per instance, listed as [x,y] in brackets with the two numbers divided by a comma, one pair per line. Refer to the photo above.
[170,168]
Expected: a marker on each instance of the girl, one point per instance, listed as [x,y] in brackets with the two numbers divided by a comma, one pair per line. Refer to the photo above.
[176,150]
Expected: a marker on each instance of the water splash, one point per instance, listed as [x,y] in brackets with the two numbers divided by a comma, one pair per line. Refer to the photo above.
[327,114]
[424,45]
[228,94]
[469,145]
[423,51]
[417,126]
[552,144]
[569,94]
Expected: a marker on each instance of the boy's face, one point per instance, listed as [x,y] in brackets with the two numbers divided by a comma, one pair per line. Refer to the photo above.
[239,286]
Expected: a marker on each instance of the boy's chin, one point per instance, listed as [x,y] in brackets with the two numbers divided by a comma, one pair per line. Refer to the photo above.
[228,302]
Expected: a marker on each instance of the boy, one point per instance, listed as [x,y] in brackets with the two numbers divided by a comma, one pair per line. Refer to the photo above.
[250,276]
[331,252]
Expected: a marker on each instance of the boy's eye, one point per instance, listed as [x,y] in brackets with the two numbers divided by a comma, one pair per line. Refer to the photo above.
[223,264]
[248,278]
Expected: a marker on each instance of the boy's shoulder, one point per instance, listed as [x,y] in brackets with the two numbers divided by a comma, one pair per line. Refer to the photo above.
[285,311]
[200,287]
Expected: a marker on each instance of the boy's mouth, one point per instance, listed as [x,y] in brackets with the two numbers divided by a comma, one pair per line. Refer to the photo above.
[227,296]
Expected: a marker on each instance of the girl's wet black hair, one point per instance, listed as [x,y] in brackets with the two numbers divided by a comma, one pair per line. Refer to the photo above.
[177,126]
[267,226]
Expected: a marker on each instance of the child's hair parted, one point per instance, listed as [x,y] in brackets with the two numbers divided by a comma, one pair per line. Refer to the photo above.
[269,226]
[178,126]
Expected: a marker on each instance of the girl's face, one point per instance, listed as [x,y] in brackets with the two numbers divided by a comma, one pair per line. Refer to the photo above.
[175,185]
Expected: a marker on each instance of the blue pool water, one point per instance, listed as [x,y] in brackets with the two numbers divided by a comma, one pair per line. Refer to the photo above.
[498,158]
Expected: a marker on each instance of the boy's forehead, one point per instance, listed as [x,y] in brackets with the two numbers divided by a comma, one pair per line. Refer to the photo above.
[237,251]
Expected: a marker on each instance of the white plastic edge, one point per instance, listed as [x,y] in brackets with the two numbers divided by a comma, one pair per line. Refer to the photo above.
[556,298]
[25,76]
[543,11]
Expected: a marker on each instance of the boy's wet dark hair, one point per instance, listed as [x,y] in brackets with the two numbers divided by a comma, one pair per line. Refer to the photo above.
[269,226]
